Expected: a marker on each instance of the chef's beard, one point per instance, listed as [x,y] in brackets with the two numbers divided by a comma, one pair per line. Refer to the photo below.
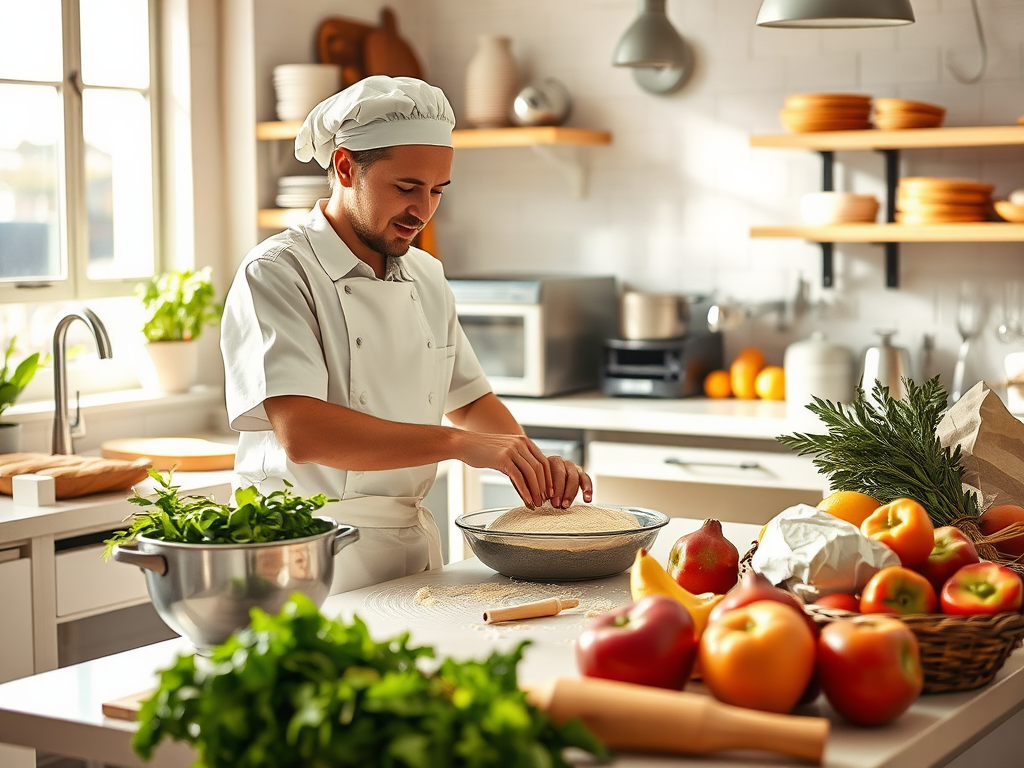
[391,248]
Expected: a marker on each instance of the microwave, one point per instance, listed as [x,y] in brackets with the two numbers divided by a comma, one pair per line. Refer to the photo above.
[539,335]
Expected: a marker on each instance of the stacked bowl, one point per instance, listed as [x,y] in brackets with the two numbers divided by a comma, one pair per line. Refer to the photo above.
[925,200]
[809,112]
[819,208]
[900,114]
[301,191]
[300,87]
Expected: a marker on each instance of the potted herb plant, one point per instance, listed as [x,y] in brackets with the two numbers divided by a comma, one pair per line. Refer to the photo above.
[12,382]
[177,307]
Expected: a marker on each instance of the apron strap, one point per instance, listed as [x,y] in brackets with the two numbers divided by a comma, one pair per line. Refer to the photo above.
[393,512]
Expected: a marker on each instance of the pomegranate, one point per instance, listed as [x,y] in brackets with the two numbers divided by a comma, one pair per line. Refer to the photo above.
[705,561]
[995,519]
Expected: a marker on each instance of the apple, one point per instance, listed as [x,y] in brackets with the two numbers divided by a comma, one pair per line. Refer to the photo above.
[996,518]
[647,642]
[951,552]
[842,601]
[869,668]
[981,588]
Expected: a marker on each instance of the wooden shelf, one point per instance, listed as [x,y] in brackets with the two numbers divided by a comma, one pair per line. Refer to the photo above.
[980,232]
[916,138]
[475,138]
[279,218]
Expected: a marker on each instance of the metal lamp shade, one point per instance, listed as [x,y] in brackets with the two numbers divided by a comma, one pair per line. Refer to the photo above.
[660,58]
[835,13]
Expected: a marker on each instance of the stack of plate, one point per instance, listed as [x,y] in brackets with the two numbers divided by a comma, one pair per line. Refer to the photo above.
[300,87]
[898,114]
[301,191]
[808,112]
[819,208]
[923,200]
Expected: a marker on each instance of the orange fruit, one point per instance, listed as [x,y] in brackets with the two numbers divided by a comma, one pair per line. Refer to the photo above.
[770,383]
[742,375]
[852,506]
[717,385]
[752,355]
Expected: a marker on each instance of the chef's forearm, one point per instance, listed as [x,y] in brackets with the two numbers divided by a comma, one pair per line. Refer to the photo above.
[486,414]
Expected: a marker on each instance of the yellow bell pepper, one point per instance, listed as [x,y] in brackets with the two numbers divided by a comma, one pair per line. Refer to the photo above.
[648,577]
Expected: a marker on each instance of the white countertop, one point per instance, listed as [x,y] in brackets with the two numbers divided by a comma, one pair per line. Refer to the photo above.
[59,711]
[751,419]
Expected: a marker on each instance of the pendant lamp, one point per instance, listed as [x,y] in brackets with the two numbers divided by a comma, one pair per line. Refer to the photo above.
[841,14]
[661,60]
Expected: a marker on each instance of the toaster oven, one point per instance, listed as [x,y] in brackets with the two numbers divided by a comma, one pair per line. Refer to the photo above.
[537,335]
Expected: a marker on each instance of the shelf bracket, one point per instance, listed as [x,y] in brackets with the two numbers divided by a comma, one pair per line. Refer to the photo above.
[572,167]
[892,250]
[828,159]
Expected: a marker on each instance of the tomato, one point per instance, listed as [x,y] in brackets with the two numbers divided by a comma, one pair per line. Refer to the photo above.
[648,642]
[898,590]
[904,527]
[760,655]
[843,601]
[951,552]
[869,668]
[982,588]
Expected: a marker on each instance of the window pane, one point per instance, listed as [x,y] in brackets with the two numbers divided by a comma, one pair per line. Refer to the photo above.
[30,40]
[119,183]
[29,182]
[115,42]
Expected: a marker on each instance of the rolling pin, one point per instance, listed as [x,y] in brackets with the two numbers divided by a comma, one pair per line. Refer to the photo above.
[638,717]
[550,607]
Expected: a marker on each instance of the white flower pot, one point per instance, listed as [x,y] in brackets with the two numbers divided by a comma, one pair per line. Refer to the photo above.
[10,437]
[174,366]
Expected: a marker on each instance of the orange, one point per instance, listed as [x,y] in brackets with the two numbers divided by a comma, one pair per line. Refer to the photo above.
[717,385]
[770,383]
[753,355]
[742,375]
[852,506]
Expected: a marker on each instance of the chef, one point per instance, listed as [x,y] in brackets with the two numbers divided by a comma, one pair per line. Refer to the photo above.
[342,350]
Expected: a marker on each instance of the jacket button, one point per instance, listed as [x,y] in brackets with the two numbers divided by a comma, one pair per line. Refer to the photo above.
[430,398]
[348,289]
[362,399]
[359,341]
[430,344]
[412,295]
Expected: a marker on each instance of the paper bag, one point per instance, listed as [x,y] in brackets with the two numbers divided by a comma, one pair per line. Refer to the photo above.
[991,441]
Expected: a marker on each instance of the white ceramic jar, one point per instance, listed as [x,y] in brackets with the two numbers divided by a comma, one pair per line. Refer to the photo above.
[492,82]
[816,367]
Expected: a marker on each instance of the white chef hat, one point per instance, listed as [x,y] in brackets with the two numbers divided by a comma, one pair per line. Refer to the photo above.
[376,112]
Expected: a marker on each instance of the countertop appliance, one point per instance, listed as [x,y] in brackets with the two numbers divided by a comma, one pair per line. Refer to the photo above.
[537,335]
[660,367]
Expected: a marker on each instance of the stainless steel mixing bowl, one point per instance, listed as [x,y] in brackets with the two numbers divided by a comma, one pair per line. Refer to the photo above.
[559,556]
[204,591]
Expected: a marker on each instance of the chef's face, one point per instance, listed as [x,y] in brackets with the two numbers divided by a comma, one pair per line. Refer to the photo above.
[395,196]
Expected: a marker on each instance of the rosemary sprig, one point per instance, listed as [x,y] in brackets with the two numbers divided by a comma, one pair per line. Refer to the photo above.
[889,449]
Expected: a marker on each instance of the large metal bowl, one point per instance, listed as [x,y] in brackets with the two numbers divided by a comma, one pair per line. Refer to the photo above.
[204,592]
[559,556]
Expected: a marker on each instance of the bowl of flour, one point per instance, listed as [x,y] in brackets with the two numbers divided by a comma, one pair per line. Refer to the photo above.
[585,541]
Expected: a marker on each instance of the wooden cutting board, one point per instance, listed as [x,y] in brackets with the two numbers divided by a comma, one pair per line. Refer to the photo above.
[340,41]
[385,53]
[184,454]
[126,708]
[73,475]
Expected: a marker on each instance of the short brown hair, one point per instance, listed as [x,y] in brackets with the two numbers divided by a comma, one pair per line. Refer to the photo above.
[363,158]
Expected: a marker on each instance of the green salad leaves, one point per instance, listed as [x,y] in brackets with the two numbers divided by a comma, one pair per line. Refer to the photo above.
[278,516]
[298,690]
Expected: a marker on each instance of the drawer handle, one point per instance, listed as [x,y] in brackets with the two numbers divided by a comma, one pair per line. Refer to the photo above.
[722,465]
[132,556]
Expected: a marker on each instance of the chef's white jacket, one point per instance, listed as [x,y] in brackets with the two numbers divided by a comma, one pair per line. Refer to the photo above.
[304,316]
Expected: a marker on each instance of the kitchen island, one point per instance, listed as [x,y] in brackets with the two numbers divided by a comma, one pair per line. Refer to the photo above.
[60,710]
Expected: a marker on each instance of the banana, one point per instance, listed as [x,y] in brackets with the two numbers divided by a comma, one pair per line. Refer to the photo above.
[648,577]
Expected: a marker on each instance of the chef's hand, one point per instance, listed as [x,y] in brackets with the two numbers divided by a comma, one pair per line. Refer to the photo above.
[515,456]
[566,480]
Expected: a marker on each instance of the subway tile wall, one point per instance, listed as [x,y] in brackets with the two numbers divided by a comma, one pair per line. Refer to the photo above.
[670,202]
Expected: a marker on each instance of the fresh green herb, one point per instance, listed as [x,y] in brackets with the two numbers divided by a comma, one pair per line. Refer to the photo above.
[298,690]
[889,449]
[13,382]
[278,516]
[178,304]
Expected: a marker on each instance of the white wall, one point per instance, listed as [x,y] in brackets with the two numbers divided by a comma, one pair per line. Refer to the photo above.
[671,201]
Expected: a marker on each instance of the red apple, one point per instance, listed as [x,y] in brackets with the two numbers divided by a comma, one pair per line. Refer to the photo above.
[951,552]
[996,518]
[842,601]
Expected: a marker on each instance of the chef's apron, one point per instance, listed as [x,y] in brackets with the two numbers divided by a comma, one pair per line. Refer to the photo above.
[399,372]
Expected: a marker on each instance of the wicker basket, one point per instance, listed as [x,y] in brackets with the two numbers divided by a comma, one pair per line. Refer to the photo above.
[958,653]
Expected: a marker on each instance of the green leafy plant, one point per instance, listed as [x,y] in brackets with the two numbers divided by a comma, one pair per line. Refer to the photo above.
[13,382]
[300,690]
[256,518]
[178,304]
[889,449]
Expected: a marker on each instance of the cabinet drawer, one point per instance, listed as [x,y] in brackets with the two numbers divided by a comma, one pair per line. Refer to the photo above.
[16,658]
[87,584]
[710,466]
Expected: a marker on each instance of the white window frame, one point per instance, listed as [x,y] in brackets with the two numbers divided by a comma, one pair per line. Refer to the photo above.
[71,191]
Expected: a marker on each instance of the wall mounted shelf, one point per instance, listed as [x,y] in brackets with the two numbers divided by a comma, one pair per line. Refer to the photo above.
[889,143]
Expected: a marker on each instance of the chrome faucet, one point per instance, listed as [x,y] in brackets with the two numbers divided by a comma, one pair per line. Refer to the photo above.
[61,425]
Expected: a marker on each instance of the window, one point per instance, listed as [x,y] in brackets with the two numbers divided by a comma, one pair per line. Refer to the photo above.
[77,148]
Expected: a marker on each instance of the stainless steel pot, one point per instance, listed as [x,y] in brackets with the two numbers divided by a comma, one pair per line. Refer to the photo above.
[204,591]
[887,364]
[646,316]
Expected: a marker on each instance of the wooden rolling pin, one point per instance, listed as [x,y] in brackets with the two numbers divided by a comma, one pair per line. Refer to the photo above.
[641,718]
[550,607]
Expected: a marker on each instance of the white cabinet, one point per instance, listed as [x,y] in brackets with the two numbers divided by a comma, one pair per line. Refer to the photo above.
[16,655]
[736,485]
[87,585]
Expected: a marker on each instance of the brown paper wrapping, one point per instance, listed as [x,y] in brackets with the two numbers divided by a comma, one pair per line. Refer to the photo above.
[991,442]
